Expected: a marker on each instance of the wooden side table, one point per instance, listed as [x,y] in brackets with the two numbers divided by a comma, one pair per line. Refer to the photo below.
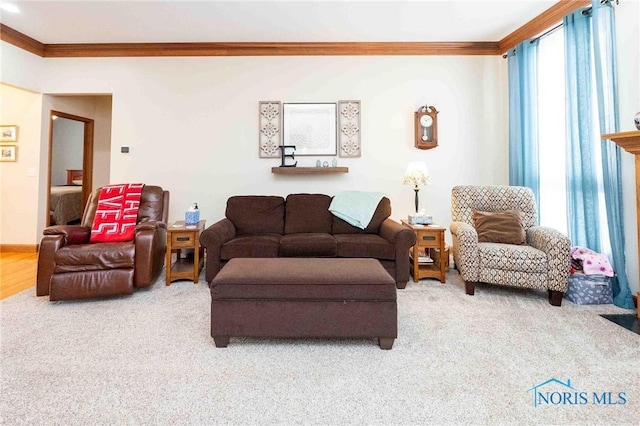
[428,237]
[181,237]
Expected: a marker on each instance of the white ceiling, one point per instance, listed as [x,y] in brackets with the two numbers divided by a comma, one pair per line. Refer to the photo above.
[113,21]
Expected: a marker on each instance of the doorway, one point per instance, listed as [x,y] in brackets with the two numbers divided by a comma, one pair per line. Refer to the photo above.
[70,172]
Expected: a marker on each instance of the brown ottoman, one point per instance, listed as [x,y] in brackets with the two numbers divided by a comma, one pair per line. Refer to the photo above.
[303,297]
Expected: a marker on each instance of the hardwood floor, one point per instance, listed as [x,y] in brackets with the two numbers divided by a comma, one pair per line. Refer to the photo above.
[17,272]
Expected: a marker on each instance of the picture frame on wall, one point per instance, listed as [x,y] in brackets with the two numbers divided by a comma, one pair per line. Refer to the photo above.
[8,153]
[310,127]
[8,133]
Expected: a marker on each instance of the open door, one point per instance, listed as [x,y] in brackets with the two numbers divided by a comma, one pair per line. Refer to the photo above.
[70,168]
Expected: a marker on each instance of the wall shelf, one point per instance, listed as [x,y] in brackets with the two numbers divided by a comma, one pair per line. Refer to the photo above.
[308,170]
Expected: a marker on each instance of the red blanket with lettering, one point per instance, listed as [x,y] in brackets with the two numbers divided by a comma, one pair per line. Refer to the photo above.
[116,213]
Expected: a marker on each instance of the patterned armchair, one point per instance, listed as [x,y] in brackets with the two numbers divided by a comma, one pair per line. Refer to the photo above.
[542,262]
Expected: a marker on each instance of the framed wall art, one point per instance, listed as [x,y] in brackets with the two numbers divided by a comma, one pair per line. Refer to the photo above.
[311,127]
[8,133]
[8,153]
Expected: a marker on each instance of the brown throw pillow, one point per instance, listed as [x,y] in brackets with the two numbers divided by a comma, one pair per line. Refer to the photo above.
[499,227]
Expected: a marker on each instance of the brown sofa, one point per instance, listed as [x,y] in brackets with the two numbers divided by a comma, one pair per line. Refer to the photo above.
[70,267]
[301,225]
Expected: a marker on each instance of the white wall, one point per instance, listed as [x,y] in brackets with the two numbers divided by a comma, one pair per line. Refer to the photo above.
[67,147]
[102,141]
[20,68]
[628,49]
[192,123]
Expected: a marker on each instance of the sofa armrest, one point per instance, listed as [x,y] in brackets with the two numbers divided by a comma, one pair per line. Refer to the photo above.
[72,234]
[150,241]
[56,237]
[212,240]
[397,233]
[402,238]
[557,247]
[465,250]
[49,245]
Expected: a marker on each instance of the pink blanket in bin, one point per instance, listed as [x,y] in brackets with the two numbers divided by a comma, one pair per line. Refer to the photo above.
[592,263]
[116,213]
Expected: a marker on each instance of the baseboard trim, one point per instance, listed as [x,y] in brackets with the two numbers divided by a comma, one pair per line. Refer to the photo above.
[19,248]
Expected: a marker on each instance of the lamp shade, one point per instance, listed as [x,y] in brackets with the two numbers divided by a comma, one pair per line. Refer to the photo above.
[417,174]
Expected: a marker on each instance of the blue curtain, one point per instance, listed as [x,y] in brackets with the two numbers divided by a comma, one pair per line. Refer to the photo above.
[607,91]
[582,184]
[523,117]
[582,168]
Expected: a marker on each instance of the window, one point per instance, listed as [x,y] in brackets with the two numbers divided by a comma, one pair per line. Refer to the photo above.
[552,139]
[551,131]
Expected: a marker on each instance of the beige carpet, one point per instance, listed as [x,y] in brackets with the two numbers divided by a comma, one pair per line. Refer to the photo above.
[149,359]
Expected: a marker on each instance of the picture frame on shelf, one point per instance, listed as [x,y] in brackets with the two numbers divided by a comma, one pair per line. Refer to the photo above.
[8,133]
[8,153]
[311,127]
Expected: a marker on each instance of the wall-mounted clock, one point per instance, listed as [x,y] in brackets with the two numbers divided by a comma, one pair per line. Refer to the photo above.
[426,123]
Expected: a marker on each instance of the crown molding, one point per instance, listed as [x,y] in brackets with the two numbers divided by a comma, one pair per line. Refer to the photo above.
[259,49]
[541,23]
[537,25]
[20,40]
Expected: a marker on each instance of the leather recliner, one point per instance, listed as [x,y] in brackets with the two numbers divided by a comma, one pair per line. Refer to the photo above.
[71,267]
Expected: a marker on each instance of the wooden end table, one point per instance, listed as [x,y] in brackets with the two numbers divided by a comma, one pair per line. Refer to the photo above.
[428,237]
[181,237]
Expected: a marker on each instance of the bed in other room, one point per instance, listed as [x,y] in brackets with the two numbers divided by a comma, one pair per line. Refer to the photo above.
[65,204]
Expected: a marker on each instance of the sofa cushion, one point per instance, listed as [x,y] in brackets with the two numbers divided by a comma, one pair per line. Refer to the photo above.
[308,245]
[256,214]
[95,257]
[300,279]
[511,257]
[260,245]
[368,245]
[383,211]
[307,213]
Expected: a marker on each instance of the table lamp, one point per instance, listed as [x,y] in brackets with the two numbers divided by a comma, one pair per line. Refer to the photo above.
[417,174]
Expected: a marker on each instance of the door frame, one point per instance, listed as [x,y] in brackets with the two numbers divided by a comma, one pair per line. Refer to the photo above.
[87,157]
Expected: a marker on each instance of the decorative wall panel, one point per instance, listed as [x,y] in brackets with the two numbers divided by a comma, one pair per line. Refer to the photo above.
[270,128]
[349,129]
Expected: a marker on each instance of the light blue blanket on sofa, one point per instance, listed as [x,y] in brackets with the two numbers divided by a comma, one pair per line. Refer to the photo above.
[355,207]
